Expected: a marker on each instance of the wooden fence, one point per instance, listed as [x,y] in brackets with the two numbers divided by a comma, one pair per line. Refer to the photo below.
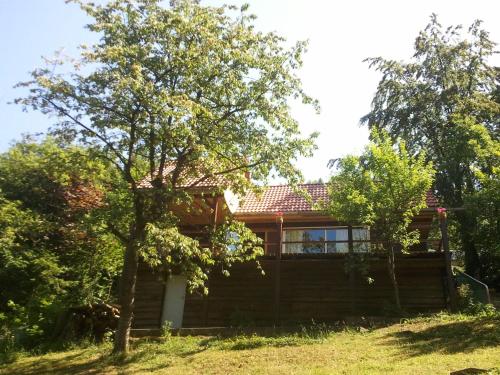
[308,287]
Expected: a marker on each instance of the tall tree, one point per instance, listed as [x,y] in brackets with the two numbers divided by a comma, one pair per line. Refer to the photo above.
[191,89]
[485,205]
[443,102]
[383,188]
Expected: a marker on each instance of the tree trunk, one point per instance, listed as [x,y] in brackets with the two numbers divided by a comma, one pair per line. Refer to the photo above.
[392,273]
[129,277]
[127,296]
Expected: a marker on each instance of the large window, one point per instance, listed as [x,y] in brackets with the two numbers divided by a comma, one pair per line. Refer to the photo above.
[325,240]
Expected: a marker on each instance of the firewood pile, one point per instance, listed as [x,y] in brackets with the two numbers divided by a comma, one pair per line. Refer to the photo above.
[87,321]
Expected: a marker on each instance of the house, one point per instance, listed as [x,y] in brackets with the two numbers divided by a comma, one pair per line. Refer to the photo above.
[310,278]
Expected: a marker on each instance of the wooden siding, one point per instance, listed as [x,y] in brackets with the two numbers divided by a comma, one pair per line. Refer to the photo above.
[149,292]
[310,288]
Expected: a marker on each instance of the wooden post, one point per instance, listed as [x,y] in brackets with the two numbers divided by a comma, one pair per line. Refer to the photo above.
[205,304]
[443,223]
[352,271]
[277,270]
[349,238]
[206,298]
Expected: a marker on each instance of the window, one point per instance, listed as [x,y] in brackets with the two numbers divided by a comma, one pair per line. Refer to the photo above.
[359,235]
[325,240]
[337,234]
[263,237]
[232,241]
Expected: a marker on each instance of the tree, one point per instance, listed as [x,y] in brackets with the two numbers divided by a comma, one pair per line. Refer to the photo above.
[53,246]
[189,89]
[443,102]
[383,188]
[485,206]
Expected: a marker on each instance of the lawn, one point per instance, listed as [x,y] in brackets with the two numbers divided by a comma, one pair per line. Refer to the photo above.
[434,345]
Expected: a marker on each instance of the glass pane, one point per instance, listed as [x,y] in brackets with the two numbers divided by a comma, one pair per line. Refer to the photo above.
[337,234]
[292,248]
[360,234]
[304,235]
[314,235]
[293,235]
[342,247]
[232,240]
[313,248]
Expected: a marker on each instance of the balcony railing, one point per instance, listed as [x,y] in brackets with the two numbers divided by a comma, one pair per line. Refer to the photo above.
[359,246]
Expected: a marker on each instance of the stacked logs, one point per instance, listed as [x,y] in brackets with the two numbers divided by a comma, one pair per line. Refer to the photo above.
[87,321]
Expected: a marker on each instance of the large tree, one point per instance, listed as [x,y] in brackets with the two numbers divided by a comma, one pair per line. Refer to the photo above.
[191,89]
[485,205]
[443,102]
[384,188]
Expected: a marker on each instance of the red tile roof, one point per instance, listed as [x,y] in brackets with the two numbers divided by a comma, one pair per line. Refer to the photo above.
[282,198]
[213,181]
[431,200]
[274,199]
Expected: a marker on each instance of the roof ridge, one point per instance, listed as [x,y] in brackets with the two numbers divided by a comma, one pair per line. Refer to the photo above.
[305,184]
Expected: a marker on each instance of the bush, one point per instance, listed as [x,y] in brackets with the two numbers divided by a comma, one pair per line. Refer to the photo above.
[469,306]
[166,329]
[8,348]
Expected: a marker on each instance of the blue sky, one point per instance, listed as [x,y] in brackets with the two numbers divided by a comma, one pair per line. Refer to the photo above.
[341,34]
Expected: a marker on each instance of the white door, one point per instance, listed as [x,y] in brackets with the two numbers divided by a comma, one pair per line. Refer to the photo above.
[173,303]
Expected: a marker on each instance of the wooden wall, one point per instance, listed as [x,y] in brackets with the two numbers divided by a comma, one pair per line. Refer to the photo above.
[309,288]
[318,289]
[149,292]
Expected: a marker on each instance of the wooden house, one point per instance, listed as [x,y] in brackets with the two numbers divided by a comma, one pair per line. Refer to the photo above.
[307,275]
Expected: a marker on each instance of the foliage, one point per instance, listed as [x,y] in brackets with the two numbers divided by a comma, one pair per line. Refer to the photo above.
[443,103]
[468,304]
[166,330]
[485,205]
[178,97]
[384,188]
[233,242]
[53,246]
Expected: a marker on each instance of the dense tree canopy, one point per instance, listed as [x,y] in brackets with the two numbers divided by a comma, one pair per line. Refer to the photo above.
[188,86]
[445,102]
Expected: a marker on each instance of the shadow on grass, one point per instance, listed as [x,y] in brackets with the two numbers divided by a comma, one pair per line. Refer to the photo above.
[58,366]
[248,339]
[454,337]
[249,342]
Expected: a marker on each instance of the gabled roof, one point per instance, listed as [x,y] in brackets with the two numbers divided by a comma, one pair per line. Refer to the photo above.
[274,199]
[282,198]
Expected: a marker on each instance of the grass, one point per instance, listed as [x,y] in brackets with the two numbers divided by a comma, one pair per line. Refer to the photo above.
[432,345]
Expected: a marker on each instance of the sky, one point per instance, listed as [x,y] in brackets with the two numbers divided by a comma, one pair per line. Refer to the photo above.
[340,33]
